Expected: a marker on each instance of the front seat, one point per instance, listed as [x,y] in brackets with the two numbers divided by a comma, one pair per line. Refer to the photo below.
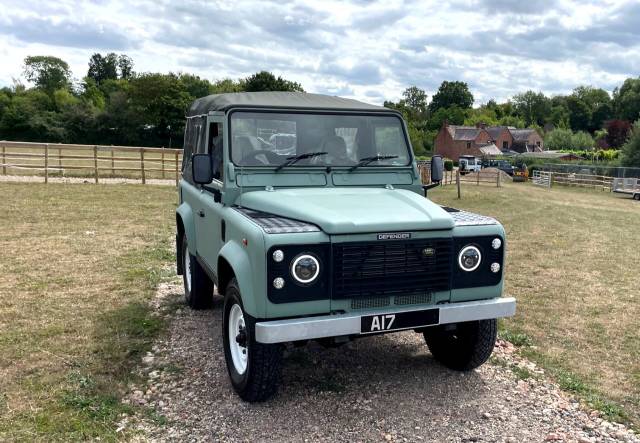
[336,150]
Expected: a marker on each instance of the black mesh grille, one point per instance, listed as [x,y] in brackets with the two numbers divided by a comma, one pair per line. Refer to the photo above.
[383,268]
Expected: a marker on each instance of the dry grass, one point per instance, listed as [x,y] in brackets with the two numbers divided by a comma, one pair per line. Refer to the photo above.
[572,264]
[78,263]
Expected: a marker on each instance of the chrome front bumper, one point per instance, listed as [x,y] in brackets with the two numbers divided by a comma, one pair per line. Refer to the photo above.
[280,331]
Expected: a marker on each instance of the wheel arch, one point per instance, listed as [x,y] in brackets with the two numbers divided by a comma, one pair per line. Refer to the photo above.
[233,261]
[184,227]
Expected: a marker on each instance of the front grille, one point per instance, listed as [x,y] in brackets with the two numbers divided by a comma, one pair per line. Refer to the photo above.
[414,299]
[369,303]
[370,269]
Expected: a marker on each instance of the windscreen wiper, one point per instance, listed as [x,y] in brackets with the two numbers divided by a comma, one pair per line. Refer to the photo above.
[365,161]
[295,158]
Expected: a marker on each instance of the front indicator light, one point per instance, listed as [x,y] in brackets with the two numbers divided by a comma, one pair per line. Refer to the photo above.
[278,255]
[495,267]
[278,282]
[496,243]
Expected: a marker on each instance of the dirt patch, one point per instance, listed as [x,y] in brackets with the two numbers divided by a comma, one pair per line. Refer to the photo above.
[385,388]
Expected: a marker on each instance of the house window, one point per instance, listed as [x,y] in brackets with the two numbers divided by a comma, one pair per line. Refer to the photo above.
[468,145]
[505,145]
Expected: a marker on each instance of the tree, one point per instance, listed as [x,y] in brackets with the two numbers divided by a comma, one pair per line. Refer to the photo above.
[195,86]
[266,81]
[453,115]
[599,103]
[452,94]
[532,107]
[631,149]
[226,85]
[47,73]
[582,140]
[626,100]
[125,66]
[579,114]
[618,132]
[559,139]
[103,68]
[416,100]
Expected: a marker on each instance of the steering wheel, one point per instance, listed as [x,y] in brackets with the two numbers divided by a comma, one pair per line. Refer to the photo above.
[272,159]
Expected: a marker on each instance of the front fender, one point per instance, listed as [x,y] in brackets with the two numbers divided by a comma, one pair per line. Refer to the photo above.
[185,214]
[240,263]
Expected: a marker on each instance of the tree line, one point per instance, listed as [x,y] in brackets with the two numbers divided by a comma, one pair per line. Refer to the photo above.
[113,104]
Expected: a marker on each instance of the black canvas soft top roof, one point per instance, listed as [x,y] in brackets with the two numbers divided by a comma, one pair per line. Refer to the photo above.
[278,99]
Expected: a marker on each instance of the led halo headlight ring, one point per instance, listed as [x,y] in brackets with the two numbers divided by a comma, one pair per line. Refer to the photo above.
[473,249]
[308,261]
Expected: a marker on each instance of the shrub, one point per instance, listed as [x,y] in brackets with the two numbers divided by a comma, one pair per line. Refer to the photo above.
[448,165]
[631,149]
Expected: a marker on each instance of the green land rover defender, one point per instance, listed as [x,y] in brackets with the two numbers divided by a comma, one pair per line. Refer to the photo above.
[308,214]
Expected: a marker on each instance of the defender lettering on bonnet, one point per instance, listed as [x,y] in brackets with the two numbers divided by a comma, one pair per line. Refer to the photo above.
[308,214]
[394,236]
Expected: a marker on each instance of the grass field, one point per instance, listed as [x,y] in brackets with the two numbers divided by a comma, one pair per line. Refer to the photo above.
[78,264]
[572,263]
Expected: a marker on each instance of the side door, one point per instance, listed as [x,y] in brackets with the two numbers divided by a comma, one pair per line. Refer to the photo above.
[189,191]
[210,225]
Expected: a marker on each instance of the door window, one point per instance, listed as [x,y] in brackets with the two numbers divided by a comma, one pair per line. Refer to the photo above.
[215,149]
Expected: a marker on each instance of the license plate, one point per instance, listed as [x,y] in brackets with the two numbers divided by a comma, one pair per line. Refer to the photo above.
[401,320]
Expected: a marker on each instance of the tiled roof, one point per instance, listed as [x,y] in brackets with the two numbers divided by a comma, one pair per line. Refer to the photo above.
[521,134]
[463,132]
[495,131]
[490,150]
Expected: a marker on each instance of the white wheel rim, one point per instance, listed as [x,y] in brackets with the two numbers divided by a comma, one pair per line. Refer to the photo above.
[238,352]
[187,270]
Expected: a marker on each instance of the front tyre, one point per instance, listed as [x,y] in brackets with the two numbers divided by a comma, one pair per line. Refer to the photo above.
[254,368]
[198,287]
[464,346]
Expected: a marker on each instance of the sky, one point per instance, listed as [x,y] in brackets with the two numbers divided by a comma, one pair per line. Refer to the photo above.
[368,50]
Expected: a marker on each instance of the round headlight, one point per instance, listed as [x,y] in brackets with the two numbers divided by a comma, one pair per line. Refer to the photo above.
[469,258]
[496,243]
[305,268]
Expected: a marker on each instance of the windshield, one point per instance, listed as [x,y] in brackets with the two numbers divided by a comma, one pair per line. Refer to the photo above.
[270,139]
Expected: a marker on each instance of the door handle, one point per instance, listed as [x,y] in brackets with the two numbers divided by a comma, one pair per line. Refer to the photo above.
[201,213]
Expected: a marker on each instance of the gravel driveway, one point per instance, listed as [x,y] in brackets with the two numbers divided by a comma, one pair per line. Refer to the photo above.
[385,388]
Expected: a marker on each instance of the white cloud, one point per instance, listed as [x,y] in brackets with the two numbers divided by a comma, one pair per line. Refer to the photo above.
[369,50]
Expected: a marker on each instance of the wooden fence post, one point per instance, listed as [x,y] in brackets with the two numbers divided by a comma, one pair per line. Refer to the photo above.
[113,172]
[4,160]
[60,160]
[458,181]
[142,166]
[477,178]
[95,162]
[163,175]
[498,179]
[46,163]
[177,175]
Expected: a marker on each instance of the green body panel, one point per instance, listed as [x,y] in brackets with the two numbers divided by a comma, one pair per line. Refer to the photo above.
[186,215]
[346,207]
[353,210]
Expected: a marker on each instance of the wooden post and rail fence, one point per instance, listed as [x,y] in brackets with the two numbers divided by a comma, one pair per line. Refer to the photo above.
[90,161]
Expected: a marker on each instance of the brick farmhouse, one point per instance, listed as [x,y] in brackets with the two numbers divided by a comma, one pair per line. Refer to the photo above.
[453,141]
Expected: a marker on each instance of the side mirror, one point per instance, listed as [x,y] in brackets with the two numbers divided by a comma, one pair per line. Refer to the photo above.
[201,169]
[437,168]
